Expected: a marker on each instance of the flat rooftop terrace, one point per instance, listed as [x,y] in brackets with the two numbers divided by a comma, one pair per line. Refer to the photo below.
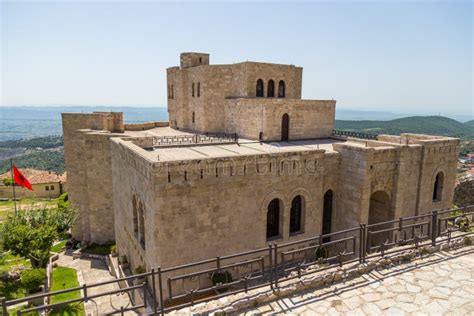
[229,148]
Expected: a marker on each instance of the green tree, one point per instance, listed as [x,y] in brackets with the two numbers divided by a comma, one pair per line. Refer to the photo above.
[32,233]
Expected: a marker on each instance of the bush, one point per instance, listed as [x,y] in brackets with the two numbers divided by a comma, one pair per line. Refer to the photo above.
[139,270]
[221,277]
[321,253]
[33,279]
[467,241]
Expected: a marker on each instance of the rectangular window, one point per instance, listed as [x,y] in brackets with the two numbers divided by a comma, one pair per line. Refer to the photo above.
[47,188]
[52,188]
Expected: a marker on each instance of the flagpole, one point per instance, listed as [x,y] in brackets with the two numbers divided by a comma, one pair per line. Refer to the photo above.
[13,184]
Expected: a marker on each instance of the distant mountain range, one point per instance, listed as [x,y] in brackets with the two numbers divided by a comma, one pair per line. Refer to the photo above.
[434,125]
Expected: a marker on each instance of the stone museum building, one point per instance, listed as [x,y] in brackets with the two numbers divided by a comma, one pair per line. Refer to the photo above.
[243,161]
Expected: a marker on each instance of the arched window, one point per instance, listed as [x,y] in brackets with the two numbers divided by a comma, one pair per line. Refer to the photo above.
[273,219]
[192,90]
[135,216]
[281,89]
[271,89]
[296,214]
[259,91]
[199,89]
[285,127]
[327,214]
[438,187]
[193,118]
[141,225]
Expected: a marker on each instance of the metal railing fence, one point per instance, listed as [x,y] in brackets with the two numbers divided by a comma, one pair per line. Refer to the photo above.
[185,285]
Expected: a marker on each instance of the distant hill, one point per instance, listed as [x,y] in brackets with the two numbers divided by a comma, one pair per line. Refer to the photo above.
[433,125]
[470,123]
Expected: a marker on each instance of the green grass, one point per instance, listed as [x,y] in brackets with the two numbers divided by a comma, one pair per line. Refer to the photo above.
[97,249]
[65,278]
[59,246]
[12,289]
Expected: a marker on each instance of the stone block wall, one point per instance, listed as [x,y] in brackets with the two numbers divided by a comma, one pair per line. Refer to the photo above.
[309,119]
[87,159]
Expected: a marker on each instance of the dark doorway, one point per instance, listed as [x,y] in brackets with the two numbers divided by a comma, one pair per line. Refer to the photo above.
[380,210]
[273,219]
[327,214]
[438,187]
[285,127]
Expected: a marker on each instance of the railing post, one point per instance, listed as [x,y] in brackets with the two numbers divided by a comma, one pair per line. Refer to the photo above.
[271,264]
[434,227]
[4,306]
[162,307]
[84,288]
[361,243]
[275,263]
[218,263]
[153,285]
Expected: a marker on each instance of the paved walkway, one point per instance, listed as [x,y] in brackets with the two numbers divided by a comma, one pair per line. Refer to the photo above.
[93,271]
[442,284]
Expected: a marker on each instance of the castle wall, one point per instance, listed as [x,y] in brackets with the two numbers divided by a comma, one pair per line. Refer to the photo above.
[308,118]
[87,160]
[132,176]
[207,219]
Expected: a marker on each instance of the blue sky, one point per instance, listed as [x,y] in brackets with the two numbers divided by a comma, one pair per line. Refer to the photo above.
[409,57]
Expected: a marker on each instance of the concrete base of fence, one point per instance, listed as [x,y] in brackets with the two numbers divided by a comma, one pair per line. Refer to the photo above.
[237,302]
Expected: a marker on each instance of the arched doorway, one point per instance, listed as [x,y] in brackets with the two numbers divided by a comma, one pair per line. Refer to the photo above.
[285,127]
[327,215]
[273,219]
[438,187]
[380,210]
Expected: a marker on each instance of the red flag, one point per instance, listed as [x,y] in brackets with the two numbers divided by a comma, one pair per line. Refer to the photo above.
[20,179]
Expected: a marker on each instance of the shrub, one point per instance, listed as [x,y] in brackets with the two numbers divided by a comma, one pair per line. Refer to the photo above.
[139,270]
[321,253]
[113,249]
[33,279]
[467,241]
[221,277]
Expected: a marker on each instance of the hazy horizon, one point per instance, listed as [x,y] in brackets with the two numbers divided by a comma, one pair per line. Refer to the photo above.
[402,57]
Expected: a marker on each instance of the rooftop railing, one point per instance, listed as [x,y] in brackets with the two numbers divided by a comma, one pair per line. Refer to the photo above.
[342,133]
[196,139]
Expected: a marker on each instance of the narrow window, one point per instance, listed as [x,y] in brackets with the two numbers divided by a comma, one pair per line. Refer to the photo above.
[193,118]
[438,187]
[295,215]
[273,219]
[281,89]
[172,91]
[135,216]
[199,89]
[271,89]
[52,188]
[259,91]
[46,188]
[141,225]
[200,60]
[192,90]
[169,92]
[285,127]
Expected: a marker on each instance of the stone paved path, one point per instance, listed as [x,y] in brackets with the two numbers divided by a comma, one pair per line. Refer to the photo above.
[442,284]
[93,271]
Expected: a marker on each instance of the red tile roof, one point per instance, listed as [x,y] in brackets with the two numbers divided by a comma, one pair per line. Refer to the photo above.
[38,176]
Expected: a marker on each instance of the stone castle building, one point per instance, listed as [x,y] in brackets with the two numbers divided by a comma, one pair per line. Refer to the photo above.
[243,161]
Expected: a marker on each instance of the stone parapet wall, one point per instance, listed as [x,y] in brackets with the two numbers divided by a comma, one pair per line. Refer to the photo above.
[145,126]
